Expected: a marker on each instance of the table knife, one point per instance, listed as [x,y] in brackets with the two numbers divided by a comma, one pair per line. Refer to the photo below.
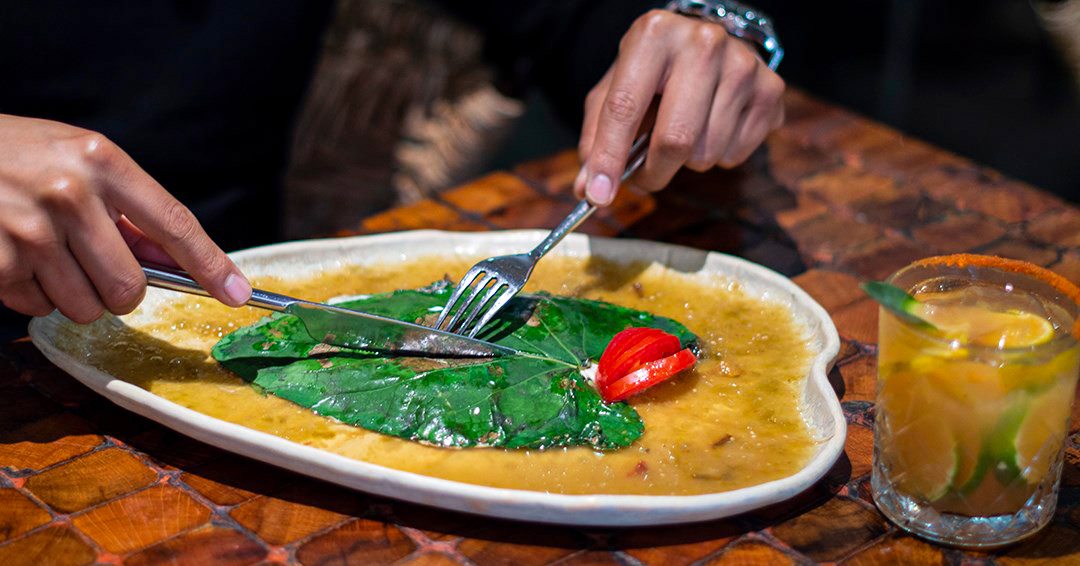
[345,327]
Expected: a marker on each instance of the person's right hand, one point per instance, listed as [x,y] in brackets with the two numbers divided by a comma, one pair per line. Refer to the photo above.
[75,211]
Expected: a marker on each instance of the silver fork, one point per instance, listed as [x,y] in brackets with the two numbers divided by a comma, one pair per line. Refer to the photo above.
[504,276]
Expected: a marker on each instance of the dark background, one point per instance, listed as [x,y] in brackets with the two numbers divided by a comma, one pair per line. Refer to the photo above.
[978,77]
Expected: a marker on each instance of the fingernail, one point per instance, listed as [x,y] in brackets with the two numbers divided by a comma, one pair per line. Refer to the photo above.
[579,182]
[237,289]
[600,190]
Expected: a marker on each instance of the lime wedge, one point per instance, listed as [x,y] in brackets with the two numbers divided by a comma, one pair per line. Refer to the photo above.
[1001,446]
[969,482]
[929,468]
[1029,437]
[973,460]
[898,302]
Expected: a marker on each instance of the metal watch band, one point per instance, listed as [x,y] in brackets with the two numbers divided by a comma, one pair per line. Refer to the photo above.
[739,20]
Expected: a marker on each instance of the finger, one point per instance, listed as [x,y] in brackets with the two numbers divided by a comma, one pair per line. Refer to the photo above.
[27,297]
[762,115]
[737,75]
[169,223]
[17,283]
[142,247]
[106,259]
[593,103]
[12,270]
[634,82]
[66,285]
[41,244]
[684,108]
[94,242]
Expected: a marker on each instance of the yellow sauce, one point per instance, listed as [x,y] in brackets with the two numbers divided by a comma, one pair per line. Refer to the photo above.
[732,422]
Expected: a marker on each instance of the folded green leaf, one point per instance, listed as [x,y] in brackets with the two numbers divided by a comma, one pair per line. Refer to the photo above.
[535,399]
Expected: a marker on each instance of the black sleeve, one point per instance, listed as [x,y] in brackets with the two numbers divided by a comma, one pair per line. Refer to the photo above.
[560,46]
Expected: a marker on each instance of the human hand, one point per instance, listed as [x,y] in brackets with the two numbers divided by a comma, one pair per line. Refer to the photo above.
[75,211]
[717,102]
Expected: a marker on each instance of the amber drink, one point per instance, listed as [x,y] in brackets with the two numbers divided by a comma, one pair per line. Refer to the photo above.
[973,409]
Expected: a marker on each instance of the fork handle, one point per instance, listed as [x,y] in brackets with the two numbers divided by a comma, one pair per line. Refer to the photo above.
[584,209]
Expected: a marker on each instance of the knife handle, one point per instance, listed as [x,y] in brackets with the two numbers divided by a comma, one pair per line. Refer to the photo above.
[177,280]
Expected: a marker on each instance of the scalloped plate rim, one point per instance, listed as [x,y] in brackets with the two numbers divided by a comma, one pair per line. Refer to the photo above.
[582,510]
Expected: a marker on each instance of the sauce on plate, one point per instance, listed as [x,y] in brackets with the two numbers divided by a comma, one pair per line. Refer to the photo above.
[731,422]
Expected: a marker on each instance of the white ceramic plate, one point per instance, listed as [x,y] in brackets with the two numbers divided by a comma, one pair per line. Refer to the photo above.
[821,408]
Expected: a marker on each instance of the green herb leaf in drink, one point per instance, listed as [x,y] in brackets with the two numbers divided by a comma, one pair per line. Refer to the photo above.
[898,302]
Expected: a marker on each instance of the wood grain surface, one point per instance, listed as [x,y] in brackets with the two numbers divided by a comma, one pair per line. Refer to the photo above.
[832,199]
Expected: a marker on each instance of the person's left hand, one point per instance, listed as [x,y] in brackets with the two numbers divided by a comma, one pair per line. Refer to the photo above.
[717,102]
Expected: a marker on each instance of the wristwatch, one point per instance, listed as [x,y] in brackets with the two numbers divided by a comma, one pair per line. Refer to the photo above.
[739,20]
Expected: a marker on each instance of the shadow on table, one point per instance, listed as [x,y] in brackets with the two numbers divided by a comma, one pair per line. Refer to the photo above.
[12,325]
[728,211]
[836,380]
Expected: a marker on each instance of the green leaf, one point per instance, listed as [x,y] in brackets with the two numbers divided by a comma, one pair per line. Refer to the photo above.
[898,301]
[534,399]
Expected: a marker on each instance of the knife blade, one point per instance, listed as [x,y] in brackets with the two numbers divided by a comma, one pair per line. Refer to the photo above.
[355,329]
[339,326]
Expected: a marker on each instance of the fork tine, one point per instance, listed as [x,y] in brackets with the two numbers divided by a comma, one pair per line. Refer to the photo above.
[467,304]
[467,280]
[464,326]
[491,312]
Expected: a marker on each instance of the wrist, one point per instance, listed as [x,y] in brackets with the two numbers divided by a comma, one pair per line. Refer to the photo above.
[740,20]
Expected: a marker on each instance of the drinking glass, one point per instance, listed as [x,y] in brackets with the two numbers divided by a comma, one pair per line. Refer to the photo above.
[969,436]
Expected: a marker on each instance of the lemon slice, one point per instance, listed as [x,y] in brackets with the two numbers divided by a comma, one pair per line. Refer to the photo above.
[1027,269]
[999,329]
[1012,330]
[967,323]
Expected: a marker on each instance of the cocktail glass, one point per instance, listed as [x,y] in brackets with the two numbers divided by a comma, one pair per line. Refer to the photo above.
[972,414]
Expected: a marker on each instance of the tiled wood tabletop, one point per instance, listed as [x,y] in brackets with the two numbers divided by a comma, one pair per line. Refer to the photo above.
[831,200]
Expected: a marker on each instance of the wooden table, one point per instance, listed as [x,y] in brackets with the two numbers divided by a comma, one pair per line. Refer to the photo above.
[832,199]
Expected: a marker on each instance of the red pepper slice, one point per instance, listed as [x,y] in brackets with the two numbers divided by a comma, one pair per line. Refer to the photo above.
[630,349]
[648,375]
[638,358]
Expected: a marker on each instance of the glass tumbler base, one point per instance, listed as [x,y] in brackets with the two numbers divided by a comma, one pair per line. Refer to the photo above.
[963,531]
